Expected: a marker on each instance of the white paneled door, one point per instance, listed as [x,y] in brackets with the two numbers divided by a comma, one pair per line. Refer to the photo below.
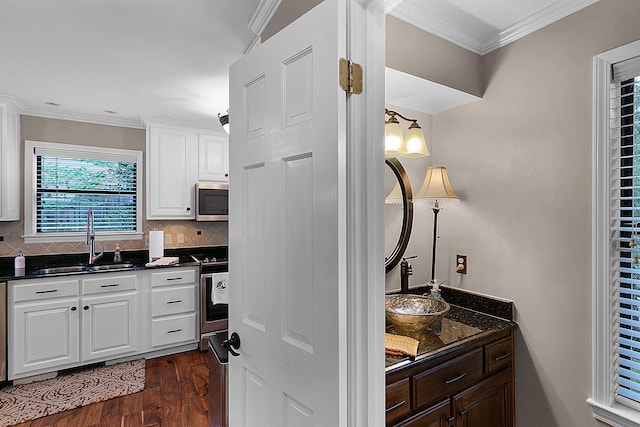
[287,233]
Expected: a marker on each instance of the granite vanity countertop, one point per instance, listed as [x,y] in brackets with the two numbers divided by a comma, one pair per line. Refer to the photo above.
[462,326]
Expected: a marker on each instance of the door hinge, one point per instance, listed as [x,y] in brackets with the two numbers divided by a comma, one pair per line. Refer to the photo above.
[350,76]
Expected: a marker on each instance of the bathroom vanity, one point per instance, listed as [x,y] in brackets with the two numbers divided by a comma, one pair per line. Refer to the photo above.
[462,375]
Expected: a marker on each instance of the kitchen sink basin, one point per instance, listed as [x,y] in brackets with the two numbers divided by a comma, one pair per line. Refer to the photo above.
[62,270]
[112,267]
[69,269]
[414,311]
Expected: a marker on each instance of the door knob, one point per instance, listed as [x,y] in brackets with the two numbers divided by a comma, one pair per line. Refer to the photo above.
[231,343]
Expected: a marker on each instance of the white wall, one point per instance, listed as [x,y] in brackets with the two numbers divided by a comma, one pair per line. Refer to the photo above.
[521,161]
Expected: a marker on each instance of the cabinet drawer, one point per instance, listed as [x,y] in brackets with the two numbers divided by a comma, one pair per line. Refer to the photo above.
[397,398]
[498,355]
[44,290]
[102,283]
[173,300]
[447,379]
[172,330]
[436,416]
[173,277]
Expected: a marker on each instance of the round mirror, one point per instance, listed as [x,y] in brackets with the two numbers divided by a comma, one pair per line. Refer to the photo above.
[398,212]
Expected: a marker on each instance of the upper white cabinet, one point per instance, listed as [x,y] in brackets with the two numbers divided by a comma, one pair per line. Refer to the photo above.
[177,158]
[172,171]
[213,158]
[9,163]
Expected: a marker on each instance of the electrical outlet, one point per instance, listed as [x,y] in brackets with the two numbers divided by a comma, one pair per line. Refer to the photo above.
[180,238]
[461,264]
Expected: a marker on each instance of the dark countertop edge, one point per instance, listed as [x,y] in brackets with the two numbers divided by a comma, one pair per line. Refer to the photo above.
[137,257]
[124,270]
[215,345]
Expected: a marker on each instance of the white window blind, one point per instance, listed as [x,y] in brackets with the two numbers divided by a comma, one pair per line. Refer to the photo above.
[625,228]
[65,181]
[66,188]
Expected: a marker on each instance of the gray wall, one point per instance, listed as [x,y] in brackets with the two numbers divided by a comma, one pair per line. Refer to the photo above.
[521,161]
[422,54]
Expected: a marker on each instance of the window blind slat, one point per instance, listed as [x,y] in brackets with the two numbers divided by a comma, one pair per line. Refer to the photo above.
[624,169]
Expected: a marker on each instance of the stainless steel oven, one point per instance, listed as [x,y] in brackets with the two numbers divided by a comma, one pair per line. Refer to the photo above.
[214,283]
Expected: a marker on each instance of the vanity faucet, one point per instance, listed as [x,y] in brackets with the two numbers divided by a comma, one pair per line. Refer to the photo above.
[405,271]
[90,239]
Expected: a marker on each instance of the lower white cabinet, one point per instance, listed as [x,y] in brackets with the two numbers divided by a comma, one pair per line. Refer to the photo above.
[44,335]
[67,321]
[60,323]
[174,297]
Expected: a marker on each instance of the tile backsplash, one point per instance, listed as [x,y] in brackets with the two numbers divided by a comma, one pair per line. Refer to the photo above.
[210,233]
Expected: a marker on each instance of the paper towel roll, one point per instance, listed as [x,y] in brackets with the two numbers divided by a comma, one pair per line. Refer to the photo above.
[156,244]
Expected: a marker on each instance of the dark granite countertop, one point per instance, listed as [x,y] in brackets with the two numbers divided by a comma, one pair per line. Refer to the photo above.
[472,318]
[137,258]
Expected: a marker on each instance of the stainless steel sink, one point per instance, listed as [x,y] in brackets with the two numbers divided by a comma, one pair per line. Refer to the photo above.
[69,269]
[112,267]
[62,270]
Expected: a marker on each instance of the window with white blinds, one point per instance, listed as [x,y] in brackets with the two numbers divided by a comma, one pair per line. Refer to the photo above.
[625,227]
[68,180]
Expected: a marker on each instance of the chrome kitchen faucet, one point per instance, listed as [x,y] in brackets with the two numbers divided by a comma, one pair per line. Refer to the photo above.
[91,238]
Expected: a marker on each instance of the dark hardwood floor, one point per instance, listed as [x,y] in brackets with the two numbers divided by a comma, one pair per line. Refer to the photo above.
[175,395]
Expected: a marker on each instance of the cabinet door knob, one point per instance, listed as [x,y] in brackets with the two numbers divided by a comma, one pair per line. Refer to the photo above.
[86,307]
[226,174]
[188,208]
[74,308]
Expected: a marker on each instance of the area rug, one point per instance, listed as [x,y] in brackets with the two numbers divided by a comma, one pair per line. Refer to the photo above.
[20,403]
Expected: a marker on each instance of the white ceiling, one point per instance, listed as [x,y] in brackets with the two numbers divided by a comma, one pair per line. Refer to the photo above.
[120,61]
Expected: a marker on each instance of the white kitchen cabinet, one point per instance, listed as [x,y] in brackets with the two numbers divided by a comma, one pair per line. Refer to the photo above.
[172,171]
[213,155]
[174,302]
[108,316]
[9,163]
[58,323]
[45,336]
[177,157]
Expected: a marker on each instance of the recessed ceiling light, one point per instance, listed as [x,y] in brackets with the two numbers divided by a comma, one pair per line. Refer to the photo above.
[53,104]
[110,111]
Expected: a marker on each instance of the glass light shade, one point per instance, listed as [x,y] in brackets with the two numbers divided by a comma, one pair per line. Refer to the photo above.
[436,188]
[415,143]
[393,141]
[395,196]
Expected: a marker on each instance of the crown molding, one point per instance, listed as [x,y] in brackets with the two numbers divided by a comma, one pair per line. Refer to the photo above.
[13,102]
[50,113]
[481,38]
[216,128]
[263,14]
[539,20]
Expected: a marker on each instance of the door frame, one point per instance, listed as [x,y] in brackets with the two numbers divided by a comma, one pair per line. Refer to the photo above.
[365,220]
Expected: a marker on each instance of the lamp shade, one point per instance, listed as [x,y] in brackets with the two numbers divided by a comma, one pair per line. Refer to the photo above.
[395,196]
[436,187]
[415,143]
[393,141]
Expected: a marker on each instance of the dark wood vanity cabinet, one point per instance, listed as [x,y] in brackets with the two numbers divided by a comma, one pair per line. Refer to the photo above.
[470,387]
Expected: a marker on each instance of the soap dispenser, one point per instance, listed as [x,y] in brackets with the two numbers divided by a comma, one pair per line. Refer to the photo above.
[19,264]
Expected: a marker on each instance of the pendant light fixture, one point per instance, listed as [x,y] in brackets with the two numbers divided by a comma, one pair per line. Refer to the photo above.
[395,145]
[224,121]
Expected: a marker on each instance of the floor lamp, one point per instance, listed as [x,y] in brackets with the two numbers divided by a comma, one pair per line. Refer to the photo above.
[436,190]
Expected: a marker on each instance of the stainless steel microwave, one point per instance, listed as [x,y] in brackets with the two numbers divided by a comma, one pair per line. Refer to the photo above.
[212,201]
